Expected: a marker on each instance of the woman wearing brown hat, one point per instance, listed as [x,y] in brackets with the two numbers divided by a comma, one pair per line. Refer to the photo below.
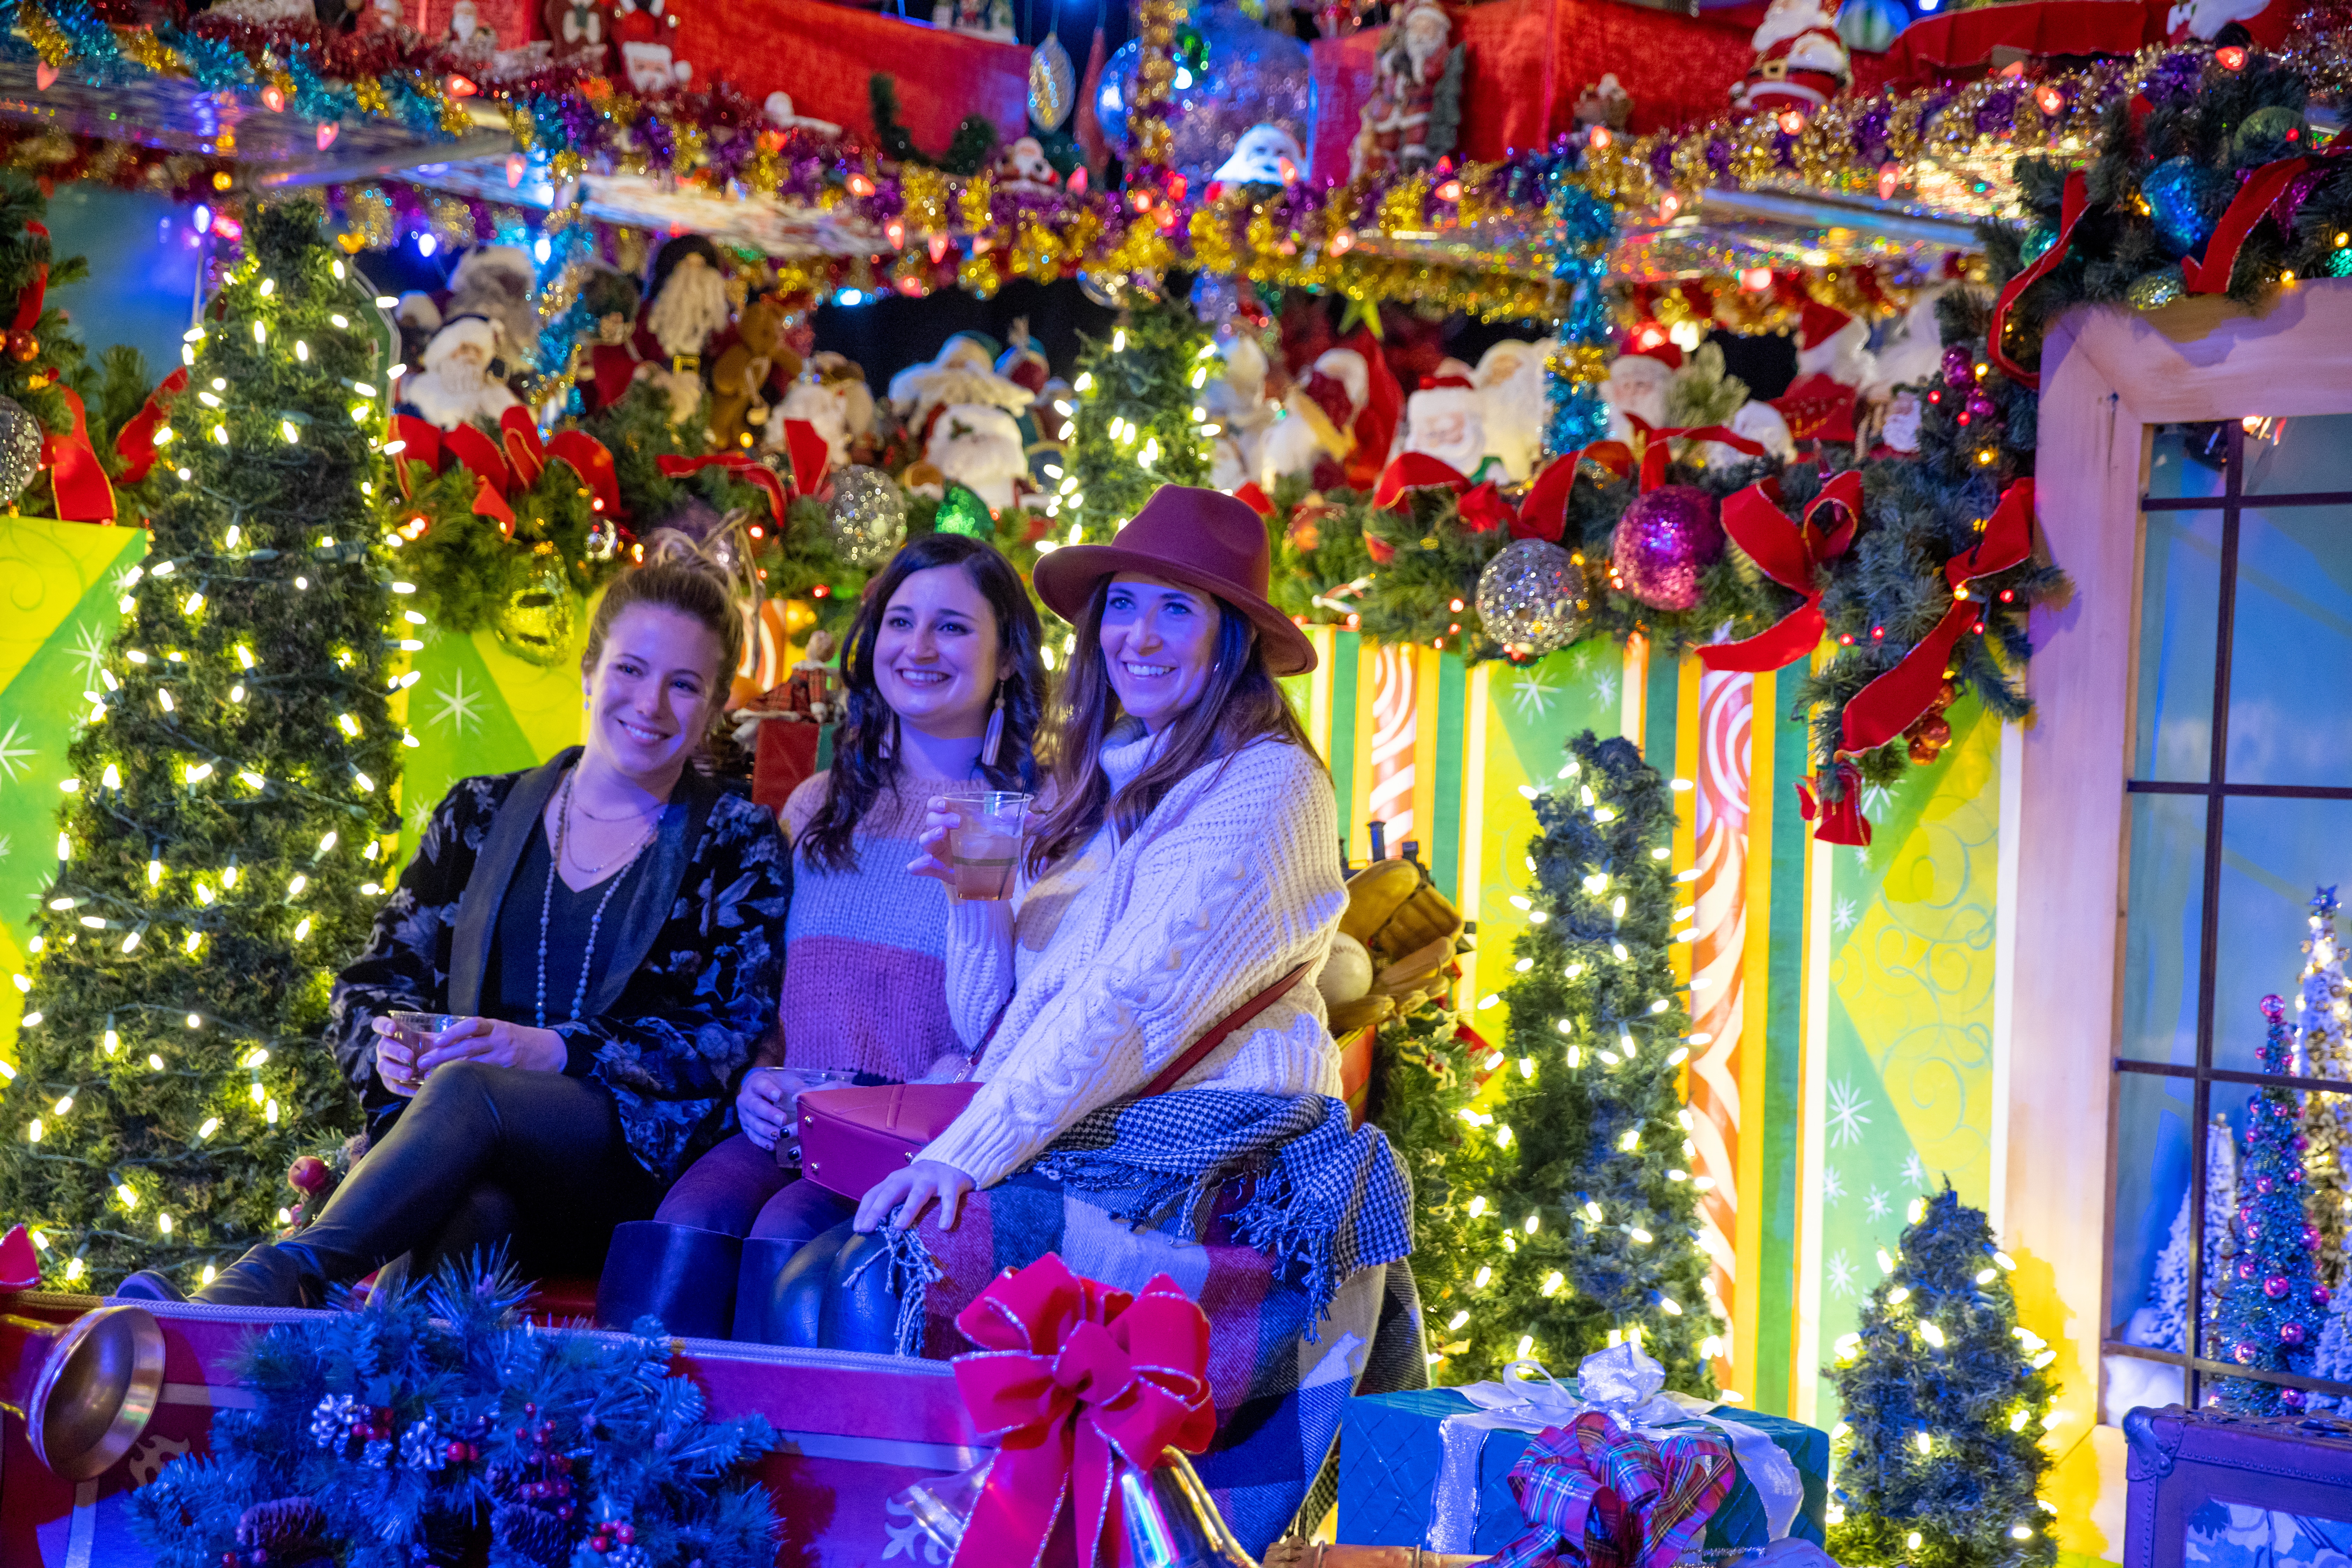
[1184,861]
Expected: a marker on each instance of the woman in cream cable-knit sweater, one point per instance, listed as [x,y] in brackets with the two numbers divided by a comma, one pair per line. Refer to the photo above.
[1187,860]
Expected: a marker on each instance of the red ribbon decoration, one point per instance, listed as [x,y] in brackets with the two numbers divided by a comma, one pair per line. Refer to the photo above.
[2071,208]
[84,494]
[527,458]
[508,464]
[2254,201]
[743,465]
[1074,1381]
[1887,705]
[135,442]
[1842,821]
[1542,512]
[29,302]
[1790,553]
[1256,499]
[1651,442]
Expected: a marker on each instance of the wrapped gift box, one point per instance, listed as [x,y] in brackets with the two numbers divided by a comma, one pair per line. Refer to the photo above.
[1390,1450]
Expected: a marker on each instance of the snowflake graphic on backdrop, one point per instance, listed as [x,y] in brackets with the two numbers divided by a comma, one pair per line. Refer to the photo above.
[1876,1203]
[1533,694]
[88,650]
[1874,800]
[1913,1172]
[1841,1274]
[15,752]
[1845,1119]
[459,708]
[1844,916]
[1832,1187]
[1604,688]
[7,847]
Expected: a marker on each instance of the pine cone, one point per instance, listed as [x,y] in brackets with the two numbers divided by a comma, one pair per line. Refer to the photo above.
[531,1533]
[281,1525]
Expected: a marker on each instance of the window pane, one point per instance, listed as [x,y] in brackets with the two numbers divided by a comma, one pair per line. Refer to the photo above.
[2150,1261]
[2164,899]
[2172,472]
[2293,620]
[2275,854]
[2180,607]
[2308,455]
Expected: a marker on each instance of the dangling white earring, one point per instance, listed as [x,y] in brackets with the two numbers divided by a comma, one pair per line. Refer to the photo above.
[994,740]
[889,746]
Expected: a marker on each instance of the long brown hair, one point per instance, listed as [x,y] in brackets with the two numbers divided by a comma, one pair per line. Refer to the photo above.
[1240,703]
[862,763]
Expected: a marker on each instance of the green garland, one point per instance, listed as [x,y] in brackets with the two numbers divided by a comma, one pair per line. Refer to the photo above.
[223,847]
[436,1424]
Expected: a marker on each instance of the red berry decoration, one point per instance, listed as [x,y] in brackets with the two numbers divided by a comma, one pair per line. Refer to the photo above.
[308,1174]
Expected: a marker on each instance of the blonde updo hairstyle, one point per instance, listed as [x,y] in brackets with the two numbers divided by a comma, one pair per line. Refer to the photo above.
[682,576]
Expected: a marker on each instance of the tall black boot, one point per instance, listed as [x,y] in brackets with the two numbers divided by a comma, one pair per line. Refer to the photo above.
[275,1274]
[790,1310]
[755,1287]
[681,1275]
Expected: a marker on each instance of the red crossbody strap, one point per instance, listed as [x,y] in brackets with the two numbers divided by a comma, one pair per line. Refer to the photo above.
[1220,1032]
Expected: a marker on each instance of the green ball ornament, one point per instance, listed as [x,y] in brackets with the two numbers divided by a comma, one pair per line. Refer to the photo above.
[2038,241]
[535,624]
[2267,135]
[962,511]
[2154,291]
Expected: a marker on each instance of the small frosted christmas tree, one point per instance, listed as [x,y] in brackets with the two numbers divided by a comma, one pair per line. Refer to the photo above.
[2272,1307]
[1945,1398]
[2323,1019]
[2162,1323]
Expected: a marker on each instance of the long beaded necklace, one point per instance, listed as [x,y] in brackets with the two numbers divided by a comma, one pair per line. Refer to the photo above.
[547,903]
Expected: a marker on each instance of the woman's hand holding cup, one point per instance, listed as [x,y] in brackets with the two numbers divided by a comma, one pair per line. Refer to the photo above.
[766,1102]
[939,827]
[395,1058]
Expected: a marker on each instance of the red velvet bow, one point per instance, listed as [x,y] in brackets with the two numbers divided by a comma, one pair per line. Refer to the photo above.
[1790,553]
[29,302]
[83,491]
[527,458]
[135,443]
[2255,200]
[1074,1380]
[1542,513]
[511,462]
[803,444]
[1650,449]
[1842,821]
[2072,205]
[1887,705]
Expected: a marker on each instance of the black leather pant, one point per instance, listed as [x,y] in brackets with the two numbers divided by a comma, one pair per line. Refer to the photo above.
[486,1155]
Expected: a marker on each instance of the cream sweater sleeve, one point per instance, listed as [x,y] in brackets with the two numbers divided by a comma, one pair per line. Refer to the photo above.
[1242,885]
[979,965]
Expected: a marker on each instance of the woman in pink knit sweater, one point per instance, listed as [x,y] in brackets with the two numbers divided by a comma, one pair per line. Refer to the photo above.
[944,685]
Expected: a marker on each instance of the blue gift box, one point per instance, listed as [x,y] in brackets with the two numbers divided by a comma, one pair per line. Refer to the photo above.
[1390,1451]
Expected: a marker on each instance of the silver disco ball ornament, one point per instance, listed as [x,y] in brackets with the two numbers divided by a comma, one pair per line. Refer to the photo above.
[1532,597]
[20,449]
[867,517]
[1245,75]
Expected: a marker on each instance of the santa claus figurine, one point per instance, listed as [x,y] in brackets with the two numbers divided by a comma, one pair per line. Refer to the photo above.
[685,308]
[643,32]
[1446,420]
[1023,166]
[1636,387]
[1800,61]
[1831,342]
[964,371]
[1510,381]
[456,383]
[605,365]
[1313,434]
[1411,120]
[1235,403]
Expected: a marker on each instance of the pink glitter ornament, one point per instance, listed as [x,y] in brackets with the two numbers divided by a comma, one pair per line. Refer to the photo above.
[2291,1333]
[1664,539]
[2275,1287]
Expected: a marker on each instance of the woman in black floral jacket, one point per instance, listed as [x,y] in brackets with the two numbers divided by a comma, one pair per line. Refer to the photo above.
[603,935]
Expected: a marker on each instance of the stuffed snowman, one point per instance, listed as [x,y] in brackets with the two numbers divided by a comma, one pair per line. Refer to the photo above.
[979,447]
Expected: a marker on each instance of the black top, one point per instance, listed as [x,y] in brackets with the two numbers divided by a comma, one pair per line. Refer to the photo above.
[511,975]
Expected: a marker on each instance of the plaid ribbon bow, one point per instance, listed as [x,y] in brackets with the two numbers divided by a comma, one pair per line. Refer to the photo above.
[1596,1494]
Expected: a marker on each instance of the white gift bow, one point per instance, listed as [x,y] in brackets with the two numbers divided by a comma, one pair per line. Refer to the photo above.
[1624,1384]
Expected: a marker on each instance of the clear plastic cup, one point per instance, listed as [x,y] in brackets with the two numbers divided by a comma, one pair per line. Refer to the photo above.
[416,1031]
[985,846]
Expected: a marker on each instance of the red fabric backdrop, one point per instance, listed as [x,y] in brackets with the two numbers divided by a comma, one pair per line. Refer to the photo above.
[1529,61]
[821,55]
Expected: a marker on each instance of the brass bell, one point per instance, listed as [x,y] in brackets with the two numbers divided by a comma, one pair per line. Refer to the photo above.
[1172,1523]
[85,1390]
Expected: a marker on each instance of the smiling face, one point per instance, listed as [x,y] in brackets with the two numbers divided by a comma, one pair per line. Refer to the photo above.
[935,653]
[1160,642]
[652,691]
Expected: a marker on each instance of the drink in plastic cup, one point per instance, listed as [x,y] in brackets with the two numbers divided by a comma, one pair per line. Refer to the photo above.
[416,1031]
[788,1146]
[985,843]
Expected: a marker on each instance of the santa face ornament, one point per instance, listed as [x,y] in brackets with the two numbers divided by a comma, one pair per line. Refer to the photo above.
[1265,156]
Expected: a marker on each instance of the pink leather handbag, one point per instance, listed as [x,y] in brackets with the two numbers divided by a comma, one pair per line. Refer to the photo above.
[852,1138]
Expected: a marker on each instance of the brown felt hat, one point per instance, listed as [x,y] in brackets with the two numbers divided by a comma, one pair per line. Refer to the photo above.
[1199,537]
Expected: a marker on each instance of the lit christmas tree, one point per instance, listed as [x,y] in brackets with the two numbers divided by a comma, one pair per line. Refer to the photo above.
[2163,1323]
[2272,1309]
[232,801]
[1590,1229]
[1141,423]
[1425,1091]
[2323,1019]
[1939,1458]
